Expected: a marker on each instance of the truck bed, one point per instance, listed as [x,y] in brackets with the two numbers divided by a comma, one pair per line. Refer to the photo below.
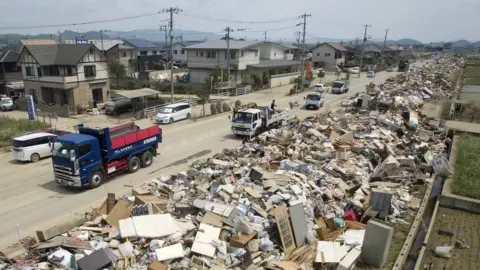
[122,130]
[133,137]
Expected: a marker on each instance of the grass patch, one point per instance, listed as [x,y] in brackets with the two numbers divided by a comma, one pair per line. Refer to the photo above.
[11,128]
[467,168]
[455,78]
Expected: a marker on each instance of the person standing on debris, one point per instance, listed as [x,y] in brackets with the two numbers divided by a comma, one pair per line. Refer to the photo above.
[272,106]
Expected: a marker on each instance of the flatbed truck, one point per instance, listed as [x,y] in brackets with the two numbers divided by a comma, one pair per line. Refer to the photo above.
[87,158]
[253,121]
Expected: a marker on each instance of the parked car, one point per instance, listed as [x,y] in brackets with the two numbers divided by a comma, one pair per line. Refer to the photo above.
[354,70]
[390,69]
[314,100]
[6,104]
[174,112]
[371,74]
[118,106]
[320,88]
[33,147]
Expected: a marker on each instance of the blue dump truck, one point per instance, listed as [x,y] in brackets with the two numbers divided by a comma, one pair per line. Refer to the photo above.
[86,158]
[403,66]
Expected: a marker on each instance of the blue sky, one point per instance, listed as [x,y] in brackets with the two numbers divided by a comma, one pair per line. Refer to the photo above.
[424,20]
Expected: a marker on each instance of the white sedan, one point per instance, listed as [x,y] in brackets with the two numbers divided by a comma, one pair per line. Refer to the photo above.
[354,70]
[320,88]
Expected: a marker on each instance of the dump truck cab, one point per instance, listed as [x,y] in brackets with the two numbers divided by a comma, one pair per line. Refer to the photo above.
[72,153]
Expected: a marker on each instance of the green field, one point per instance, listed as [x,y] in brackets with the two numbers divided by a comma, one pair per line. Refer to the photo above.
[472,71]
[11,128]
[467,167]
[472,81]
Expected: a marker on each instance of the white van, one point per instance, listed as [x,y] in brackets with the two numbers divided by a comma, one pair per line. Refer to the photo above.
[174,112]
[32,147]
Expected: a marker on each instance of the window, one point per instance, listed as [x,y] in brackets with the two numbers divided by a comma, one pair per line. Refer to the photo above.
[211,55]
[39,71]
[318,54]
[197,53]
[84,149]
[69,71]
[201,54]
[90,71]
[328,54]
[28,71]
[143,52]
[175,52]
[92,51]
[124,54]
[232,55]
[50,71]
[182,51]
[242,53]
[154,52]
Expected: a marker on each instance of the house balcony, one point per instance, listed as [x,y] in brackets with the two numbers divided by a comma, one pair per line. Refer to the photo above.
[11,76]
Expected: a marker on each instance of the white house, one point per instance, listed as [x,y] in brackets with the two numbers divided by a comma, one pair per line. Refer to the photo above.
[179,53]
[203,57]
[275,51]
[328,54]
[65,74]
[143,46]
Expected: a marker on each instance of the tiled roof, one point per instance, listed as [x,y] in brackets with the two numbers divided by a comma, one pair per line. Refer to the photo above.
[59,54]
[140,43]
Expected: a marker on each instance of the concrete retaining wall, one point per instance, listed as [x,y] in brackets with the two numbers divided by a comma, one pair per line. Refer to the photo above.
[451,200]
[283,79]
[62,111]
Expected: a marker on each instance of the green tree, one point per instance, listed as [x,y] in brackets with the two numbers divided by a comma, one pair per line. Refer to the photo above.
[266,78]
[116,70]
[203,98]
[216,73]
[257,81]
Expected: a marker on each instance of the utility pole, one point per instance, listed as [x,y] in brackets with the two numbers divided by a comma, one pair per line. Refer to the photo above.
[227,37]
[265,33]
[383,49]
[59,37]
[302,68]
[101,37]
[363,48]
[170,23]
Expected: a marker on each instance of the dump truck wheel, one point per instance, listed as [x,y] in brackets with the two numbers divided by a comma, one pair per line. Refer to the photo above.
[133,164]
[147,159]
[96,179]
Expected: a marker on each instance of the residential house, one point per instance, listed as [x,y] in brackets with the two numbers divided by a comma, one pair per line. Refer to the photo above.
[179,53]
[125,54]
[203,57]
[147,52]
[276,59]
[328,55]
[11,79]
[396,51]
[64,74]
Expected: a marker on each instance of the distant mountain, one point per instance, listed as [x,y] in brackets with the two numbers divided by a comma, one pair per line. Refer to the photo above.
[157,35]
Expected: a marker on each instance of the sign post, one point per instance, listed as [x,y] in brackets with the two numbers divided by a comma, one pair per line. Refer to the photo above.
[30,107]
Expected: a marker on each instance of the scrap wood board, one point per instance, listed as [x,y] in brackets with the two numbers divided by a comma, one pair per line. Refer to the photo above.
[285,229]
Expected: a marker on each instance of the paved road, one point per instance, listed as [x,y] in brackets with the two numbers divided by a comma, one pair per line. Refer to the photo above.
[31,199]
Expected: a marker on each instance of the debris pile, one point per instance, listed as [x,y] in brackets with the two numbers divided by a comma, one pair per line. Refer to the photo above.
[307,194]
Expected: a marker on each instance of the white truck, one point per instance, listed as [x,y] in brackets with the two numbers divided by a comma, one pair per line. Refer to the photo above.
[252,121]
[340,86]
[314,100]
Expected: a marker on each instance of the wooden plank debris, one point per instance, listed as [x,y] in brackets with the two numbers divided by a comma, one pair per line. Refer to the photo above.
[285,229]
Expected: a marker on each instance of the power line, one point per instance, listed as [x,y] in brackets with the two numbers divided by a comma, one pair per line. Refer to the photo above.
[81,23]
[270,30]
[186,14]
